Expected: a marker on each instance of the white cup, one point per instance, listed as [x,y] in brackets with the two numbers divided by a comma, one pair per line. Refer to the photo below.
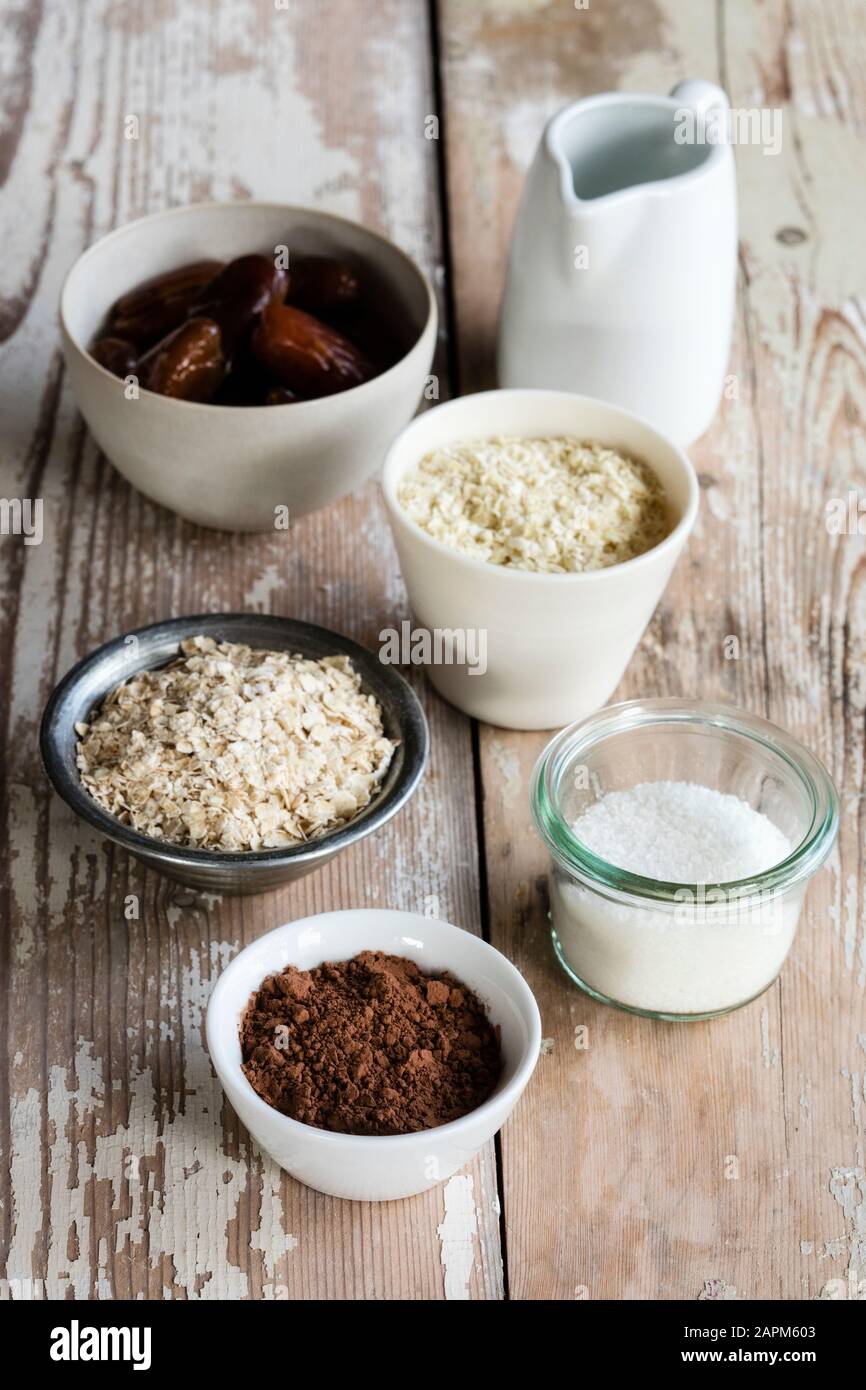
[358,1166]
[235,468]
[556,644]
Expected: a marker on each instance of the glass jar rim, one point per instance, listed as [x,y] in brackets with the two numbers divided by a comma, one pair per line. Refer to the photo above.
[805,858]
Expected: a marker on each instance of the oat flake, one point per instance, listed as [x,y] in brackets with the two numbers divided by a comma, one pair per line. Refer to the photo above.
[233,748]
[557,505]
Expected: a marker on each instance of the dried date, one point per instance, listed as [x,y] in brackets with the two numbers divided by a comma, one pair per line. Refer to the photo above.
[238,294]
[305,354]
[188,365]
[320,285]
[116,355]
[147,313]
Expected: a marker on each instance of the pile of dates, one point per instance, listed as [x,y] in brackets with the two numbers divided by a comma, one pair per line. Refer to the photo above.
[247,332]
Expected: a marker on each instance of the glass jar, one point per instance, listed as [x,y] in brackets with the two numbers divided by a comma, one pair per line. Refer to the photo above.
[678,951]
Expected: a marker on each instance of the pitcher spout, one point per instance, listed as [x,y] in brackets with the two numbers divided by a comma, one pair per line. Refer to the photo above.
[621,143]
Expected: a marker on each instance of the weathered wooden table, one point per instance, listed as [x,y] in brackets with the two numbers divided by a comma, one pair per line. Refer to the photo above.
[715,1160]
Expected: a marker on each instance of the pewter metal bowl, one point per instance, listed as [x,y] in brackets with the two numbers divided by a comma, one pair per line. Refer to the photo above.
[84,687]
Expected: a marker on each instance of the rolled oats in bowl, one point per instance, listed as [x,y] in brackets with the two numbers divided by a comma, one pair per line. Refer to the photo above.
[555,505]
[234,748]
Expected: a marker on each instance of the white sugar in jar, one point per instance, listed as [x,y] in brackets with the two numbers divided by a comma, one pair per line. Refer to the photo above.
[703,953]
[682,839]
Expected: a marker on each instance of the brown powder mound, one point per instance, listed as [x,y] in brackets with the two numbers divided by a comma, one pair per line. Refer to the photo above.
[369,1046]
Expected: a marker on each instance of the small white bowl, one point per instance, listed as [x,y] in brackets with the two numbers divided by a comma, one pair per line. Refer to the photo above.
[231,467]
[363,1167]
[557,644]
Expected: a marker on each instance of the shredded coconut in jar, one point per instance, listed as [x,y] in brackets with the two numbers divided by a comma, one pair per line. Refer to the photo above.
[681,832]
[552,505]
[710,949]
[233,748]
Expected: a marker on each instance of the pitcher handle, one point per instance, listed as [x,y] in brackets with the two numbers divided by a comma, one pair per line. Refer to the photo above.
[700,96]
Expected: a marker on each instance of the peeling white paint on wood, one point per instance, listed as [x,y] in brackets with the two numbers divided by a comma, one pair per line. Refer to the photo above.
[762,566]
[717,1291]
[151,1179]
[153,1189]
[848,1186]
[457,1234]
[769,1054]
[507,762]
[170,1183]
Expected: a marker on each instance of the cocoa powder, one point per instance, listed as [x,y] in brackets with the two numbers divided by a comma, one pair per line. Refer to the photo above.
[369,1046]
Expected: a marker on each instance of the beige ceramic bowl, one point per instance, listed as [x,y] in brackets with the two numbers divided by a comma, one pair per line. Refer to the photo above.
[360,1167]
[227,466]
[555,645]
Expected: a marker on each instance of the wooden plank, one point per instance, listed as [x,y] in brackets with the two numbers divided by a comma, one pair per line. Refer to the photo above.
[614,1166]
[124,1172]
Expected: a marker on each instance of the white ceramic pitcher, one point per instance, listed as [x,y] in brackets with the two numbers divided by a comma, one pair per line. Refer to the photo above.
[622,271]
